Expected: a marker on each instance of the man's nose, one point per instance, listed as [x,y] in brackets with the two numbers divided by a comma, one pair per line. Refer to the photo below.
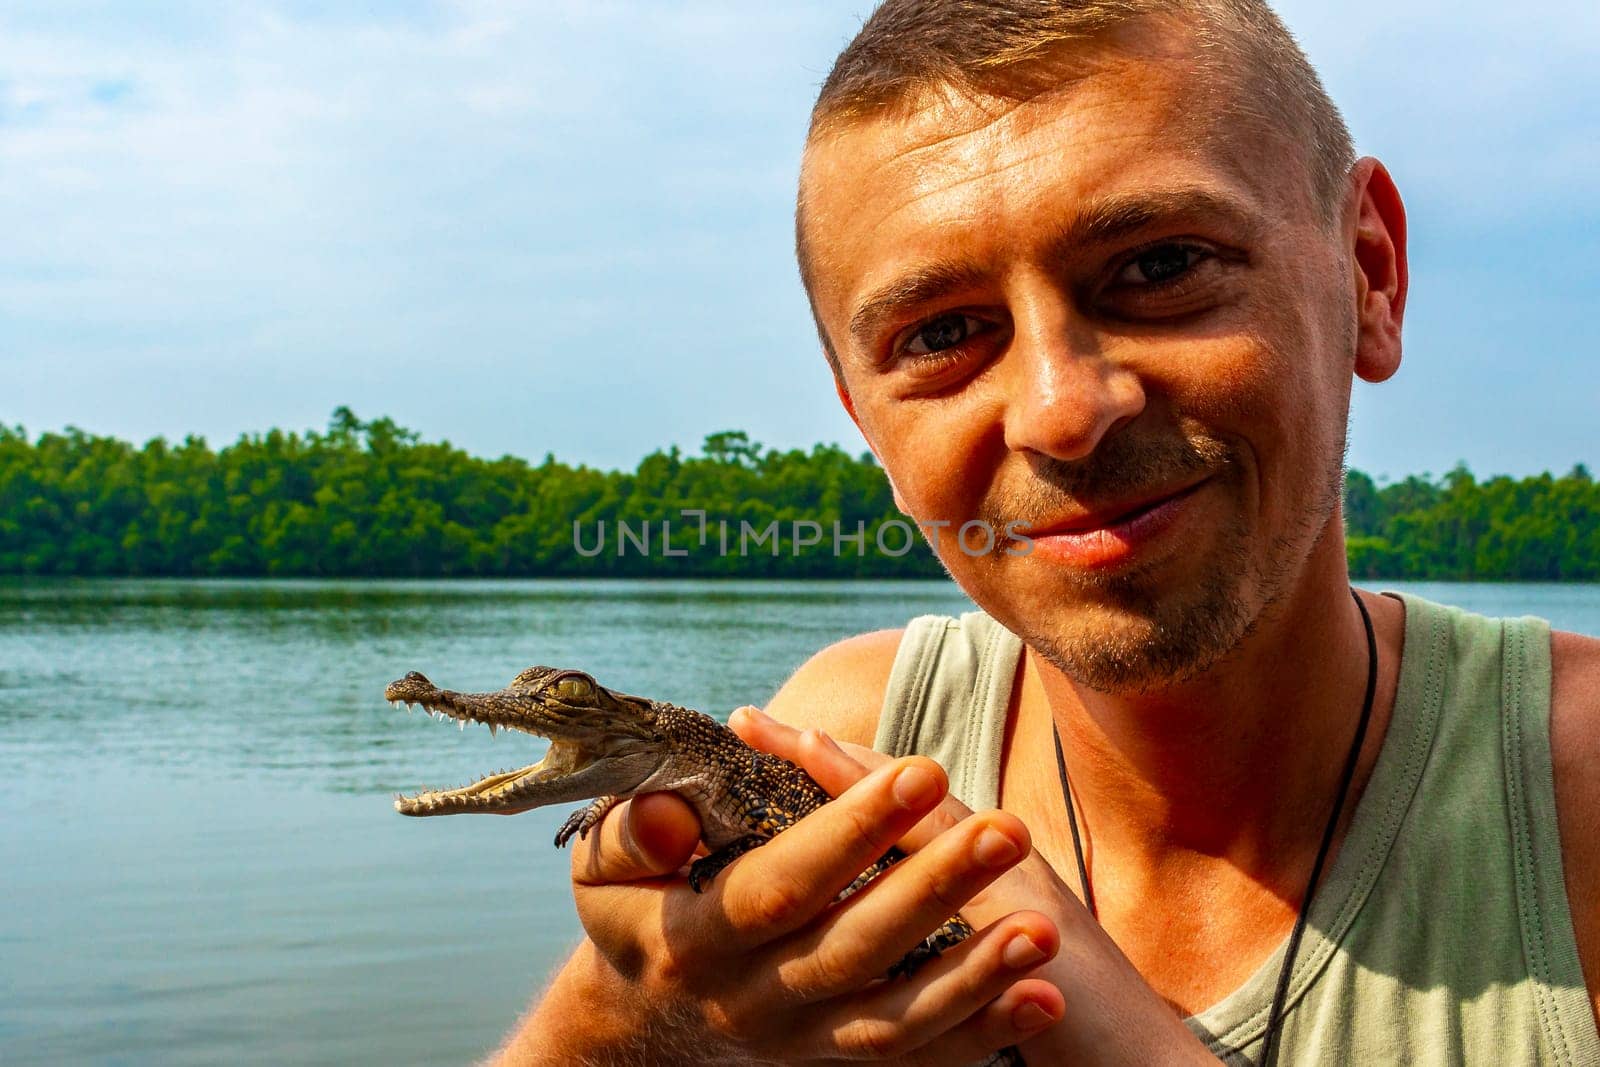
[1063,395]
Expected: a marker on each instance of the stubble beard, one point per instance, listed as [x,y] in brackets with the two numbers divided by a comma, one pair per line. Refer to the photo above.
[1136,633]
[1142,636]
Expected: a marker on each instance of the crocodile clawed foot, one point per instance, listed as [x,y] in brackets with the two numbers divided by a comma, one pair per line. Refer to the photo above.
[701,871]
[914,961]
[573,825]
[583,820]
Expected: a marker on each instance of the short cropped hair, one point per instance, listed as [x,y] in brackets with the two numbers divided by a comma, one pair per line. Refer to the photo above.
[1004,48]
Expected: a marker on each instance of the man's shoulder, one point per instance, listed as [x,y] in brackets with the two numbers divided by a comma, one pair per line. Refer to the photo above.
[1575,752]
[1575,704]
[840,689]
[1578,654]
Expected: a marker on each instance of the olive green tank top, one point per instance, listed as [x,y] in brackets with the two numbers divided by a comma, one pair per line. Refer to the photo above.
[1441,933]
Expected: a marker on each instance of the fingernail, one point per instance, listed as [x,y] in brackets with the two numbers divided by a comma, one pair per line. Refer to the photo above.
[995,849]
[829,743]
[756,714]
[1029,1016]
[915,788]
[1021,951]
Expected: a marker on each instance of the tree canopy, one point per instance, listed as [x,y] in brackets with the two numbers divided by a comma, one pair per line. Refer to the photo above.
[1457,528]
[371,498]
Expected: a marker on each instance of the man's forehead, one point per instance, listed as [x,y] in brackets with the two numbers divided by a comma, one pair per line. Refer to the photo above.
[1153,61]
[943,132]
[948,158]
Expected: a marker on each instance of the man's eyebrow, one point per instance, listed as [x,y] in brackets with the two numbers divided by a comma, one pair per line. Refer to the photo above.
[1114,218]
[917,286]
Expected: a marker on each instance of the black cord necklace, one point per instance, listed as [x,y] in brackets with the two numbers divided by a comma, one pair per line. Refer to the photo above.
[1269,1051]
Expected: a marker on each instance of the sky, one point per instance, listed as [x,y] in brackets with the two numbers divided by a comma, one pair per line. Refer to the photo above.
[553,227]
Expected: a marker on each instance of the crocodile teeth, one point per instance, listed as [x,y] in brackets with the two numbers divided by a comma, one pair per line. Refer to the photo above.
[461,724]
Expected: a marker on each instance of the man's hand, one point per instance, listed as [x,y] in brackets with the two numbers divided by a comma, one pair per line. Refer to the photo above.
[764,965]
[1113,1017]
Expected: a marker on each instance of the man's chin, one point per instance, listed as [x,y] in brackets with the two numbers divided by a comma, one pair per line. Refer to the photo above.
[1121,636]
[1136,663]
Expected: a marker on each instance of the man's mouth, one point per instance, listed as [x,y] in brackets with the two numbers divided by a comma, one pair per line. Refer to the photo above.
[1112,534]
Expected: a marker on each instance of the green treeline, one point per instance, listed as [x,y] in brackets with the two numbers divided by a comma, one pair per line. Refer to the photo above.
[372,499]
[1460,529]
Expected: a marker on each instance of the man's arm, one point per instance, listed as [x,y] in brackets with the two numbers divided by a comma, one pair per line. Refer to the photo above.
[622,1034]
[1575,749]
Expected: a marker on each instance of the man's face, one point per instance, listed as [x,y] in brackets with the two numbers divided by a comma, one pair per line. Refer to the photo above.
[1106,314]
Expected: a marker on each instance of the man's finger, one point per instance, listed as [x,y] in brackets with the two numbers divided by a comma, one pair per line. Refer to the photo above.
[876,927]
[762,731]
[836,767]
[951,1003]
[1023,1011]
[650,836]
[782,885]
[831,758]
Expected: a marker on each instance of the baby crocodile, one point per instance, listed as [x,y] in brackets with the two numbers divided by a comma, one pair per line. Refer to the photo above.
[608,745]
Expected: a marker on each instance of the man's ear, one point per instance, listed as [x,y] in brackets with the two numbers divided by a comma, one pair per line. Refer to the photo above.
[1378,246]
[850,409]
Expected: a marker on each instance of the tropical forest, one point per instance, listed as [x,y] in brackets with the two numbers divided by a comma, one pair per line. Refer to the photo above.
[373,499]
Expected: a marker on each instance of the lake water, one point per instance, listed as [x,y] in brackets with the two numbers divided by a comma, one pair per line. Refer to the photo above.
[198,854]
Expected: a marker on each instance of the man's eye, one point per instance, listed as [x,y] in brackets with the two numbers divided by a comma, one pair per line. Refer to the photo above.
[941,333]
[1161,264]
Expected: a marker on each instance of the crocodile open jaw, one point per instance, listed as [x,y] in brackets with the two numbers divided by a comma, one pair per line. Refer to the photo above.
[497,793]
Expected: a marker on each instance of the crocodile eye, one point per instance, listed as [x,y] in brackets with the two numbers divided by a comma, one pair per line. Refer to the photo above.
[574,689]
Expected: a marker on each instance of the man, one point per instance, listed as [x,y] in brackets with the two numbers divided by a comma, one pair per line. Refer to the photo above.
[1108,269]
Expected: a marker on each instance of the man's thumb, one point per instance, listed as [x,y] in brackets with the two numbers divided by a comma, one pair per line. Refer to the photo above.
[646,837]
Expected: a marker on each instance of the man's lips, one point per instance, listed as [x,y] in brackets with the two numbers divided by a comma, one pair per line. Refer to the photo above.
[1111,534]
[1112,514]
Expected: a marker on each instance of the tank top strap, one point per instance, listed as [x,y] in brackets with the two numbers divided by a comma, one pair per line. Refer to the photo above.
[947,698]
